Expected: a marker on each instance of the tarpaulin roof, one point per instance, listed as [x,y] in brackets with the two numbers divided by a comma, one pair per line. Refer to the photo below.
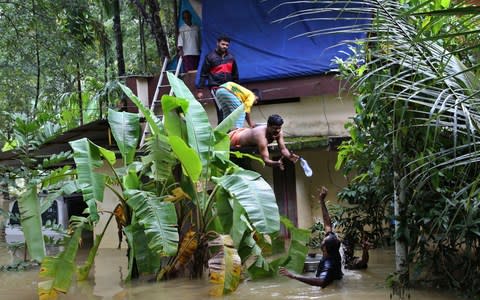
[266,48]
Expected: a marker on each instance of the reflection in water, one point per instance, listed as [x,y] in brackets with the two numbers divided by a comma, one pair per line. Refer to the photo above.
[106,282]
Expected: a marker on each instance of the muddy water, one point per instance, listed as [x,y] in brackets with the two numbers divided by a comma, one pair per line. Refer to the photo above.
[110,269]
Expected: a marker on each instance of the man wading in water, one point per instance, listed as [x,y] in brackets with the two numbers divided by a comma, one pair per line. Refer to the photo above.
[330,266]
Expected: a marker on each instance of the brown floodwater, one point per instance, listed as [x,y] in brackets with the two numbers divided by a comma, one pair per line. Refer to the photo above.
[107,282]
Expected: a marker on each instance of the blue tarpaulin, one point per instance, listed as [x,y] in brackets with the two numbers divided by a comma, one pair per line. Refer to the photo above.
[265,49]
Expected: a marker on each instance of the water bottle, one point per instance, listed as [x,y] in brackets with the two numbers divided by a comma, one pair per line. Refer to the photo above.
[306,168]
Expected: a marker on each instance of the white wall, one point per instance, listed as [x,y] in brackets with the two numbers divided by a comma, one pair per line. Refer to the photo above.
[312,116]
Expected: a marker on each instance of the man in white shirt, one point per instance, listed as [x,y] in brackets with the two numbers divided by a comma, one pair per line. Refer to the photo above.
[189,42]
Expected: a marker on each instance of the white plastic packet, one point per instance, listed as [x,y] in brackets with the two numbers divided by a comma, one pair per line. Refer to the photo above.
[306,168]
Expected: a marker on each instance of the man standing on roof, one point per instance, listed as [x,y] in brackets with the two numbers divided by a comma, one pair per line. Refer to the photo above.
[231,95]
[261,136]
[189,42]
[218,68]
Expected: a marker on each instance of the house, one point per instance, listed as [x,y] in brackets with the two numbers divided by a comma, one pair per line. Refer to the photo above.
[296,79]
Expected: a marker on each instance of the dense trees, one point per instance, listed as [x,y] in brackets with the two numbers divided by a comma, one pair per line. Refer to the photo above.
[414,144]
[55,56]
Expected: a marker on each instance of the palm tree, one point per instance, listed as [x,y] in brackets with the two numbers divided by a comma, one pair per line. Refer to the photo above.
[418,107]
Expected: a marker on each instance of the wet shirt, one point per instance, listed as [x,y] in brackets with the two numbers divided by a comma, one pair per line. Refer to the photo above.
[329,269]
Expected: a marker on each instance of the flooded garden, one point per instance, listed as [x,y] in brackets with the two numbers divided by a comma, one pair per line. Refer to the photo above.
[107,282]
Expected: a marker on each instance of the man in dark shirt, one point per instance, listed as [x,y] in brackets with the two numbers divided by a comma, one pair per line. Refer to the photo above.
[330,266]
[218,68]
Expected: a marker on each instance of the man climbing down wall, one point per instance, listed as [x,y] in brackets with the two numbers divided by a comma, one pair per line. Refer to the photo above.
[231,95]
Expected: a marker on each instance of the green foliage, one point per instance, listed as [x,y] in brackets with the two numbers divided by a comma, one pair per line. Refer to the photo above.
[175,221]
[317,234]
[415,134]
[31,221]
[159,221]
[34,174]
[58,271]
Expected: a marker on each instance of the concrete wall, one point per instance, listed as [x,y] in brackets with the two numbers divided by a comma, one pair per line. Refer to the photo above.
[322,163]
[312,116]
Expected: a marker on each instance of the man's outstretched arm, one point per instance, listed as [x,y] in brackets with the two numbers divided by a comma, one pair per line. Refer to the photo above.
[263,150]
[284,150]
[316,281]
[327,221]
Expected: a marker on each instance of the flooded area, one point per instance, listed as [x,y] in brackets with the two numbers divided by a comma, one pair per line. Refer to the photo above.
[107,282]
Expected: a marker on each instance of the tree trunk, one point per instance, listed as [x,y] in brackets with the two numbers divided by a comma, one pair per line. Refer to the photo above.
[4,204]
[37,57]
[151,13]
[117,29]
[79,91]
[400,285]
[143,47]
[401,264]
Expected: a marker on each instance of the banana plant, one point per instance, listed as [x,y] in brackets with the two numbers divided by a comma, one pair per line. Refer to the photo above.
[38,174]
[220,201]
[183,204]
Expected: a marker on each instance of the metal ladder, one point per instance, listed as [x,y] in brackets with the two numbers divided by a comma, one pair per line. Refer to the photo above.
[155,106]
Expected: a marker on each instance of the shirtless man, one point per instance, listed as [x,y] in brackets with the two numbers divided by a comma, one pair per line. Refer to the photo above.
[261,136]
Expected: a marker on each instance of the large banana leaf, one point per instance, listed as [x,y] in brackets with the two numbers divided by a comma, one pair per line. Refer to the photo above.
[229,120]
[88,158]
[298,249]
[125,128]
[225,267]
[59,270]
[147,261]
[260,268]
[159,220]
[160,158]
[256,197]
[240,224]
[200,133]
[30,218]
[186,252]
[222,140]
[152,120]
[173,122]
[224,211]
[187,156]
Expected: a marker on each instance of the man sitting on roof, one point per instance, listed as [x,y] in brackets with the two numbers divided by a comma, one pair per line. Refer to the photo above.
[261,136]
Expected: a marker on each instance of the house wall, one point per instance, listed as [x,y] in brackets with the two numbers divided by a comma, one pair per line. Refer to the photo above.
[322,163]
[313,116]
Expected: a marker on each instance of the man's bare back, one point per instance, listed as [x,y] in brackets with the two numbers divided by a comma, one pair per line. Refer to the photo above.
[254,136]
[261,136]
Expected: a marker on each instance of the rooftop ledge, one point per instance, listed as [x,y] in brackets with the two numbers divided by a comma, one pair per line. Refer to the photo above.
[301,143]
